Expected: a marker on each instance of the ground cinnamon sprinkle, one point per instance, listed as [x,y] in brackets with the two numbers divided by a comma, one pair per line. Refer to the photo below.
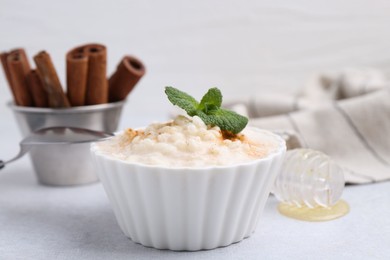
[128,136]
[232,137]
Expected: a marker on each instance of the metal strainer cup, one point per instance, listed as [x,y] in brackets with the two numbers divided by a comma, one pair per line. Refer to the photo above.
[66,164]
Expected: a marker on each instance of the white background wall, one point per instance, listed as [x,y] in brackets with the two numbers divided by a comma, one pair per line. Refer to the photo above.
[243,47]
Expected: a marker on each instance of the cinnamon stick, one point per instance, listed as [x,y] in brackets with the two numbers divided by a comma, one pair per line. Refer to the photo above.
[16,64]
[129,71]
[23,56]
[38,93]
[97,84]
[3,57]
[76,76]
[50,80]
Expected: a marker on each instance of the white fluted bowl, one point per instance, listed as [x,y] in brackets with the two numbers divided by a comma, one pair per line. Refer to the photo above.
[188,208]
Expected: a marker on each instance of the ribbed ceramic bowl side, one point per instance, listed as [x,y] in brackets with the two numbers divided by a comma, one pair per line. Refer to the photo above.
[187,209]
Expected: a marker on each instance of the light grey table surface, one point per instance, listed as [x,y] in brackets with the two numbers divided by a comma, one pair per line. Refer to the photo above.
[42,222]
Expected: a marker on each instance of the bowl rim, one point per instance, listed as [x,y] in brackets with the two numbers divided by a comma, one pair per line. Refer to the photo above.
[279,150]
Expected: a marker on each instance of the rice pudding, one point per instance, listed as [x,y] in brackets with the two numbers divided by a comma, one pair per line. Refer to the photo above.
[188,142]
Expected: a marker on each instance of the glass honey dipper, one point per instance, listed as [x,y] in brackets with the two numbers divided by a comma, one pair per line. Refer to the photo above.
[309,186]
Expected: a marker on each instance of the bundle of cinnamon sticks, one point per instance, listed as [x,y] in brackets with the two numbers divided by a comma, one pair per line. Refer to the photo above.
[86,80]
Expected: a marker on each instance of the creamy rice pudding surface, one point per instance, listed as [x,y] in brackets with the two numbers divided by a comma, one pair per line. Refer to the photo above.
[188,142]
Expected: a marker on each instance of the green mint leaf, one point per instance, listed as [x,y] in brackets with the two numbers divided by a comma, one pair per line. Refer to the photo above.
[209,109]
[225,119]
[182,100]
[211,101]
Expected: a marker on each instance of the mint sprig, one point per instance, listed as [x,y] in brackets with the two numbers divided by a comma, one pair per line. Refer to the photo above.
[209,109]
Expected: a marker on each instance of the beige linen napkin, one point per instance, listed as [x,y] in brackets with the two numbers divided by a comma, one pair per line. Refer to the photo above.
[346,115]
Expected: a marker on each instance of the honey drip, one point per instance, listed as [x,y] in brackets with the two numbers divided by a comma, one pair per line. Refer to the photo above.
[341,208]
